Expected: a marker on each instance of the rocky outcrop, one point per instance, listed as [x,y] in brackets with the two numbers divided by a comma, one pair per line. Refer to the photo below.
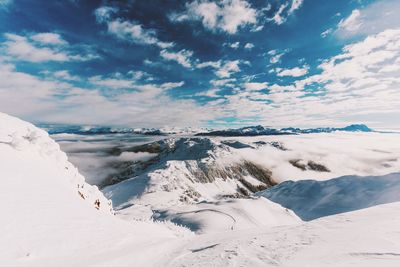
[195,169]
[309,165]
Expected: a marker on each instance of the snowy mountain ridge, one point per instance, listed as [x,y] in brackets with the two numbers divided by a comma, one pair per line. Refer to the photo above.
[96,129]
[22,137]
[189,170]
[47,222]
[261,130]
[244,131]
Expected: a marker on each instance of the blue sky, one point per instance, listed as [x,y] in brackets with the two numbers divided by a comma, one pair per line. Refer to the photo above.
[201,63]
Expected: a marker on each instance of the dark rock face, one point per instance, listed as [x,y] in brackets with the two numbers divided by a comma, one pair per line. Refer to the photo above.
[129,169]
[317,167]
[310,165]
[296,163]
[126,170]
[236,144]
[205,173]
[198,163]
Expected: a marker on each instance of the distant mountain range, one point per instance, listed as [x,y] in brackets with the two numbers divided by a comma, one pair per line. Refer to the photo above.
[245,131]
[261,130]
[90,130]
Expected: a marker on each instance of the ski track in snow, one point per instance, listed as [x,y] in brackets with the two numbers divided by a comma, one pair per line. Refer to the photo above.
[362,238]
[211,210]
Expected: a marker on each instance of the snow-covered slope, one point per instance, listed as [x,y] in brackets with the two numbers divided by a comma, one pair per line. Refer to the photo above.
[196,182]
[365,238]
[228,215]
[34,150]
[192,179]
[51,217]
[312,199]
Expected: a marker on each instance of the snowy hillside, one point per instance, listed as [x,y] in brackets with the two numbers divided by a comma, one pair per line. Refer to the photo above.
[228,215]
[312,199]
[33,149]
[51,217]
[365,238]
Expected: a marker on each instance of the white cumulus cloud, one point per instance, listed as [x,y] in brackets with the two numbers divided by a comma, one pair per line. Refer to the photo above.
[226,15]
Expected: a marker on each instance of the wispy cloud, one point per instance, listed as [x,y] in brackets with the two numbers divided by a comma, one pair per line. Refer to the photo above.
[223,69]
[275,56]
[42,47]
[182,57]
[22,48]
[284,11]
[294,72]
[351,23]
[130,31]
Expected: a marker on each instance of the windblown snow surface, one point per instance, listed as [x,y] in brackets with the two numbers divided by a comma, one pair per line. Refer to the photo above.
[220,189]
